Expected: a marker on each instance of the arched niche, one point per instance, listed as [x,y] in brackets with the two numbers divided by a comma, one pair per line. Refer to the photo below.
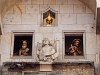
[49,17]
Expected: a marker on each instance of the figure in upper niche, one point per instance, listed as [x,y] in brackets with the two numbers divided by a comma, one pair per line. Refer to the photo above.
[46,51]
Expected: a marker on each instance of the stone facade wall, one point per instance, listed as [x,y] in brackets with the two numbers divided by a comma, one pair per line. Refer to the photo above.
[73,16]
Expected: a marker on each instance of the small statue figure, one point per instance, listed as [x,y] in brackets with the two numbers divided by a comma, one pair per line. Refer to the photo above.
[24,50]
[75,48]
[47,52]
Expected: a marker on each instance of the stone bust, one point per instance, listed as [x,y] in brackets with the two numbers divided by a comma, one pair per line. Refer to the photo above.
[46,51]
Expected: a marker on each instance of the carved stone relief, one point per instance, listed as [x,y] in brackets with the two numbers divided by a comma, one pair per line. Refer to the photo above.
[46,51]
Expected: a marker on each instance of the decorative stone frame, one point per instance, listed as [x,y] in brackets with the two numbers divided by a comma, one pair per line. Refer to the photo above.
[21,33]
[84,44]
[56,18]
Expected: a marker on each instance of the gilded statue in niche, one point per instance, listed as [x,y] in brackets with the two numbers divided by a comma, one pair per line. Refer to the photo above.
[49,17]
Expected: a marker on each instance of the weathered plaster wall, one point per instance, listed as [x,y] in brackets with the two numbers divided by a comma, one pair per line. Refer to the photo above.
[72,16]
